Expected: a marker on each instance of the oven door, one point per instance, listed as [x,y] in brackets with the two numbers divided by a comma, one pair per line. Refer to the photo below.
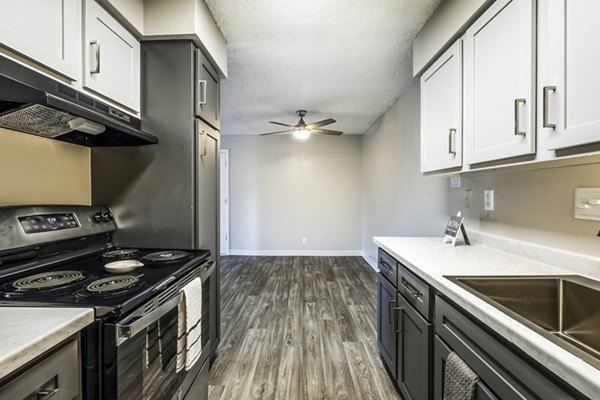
[140,363]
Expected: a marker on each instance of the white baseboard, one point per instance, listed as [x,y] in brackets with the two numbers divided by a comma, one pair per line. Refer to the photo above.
[372,263]
[322,253]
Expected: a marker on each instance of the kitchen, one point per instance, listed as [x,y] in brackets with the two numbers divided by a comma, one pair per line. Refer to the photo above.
[314,213]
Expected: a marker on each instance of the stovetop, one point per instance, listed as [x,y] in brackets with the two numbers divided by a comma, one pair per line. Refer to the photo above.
[84,281]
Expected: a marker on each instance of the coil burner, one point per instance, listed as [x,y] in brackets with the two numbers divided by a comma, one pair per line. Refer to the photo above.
[166,256]
[112,285]
[48,280]
[120,253]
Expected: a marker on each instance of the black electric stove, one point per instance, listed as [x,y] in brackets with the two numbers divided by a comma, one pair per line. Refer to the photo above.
[84,281]
[56,256]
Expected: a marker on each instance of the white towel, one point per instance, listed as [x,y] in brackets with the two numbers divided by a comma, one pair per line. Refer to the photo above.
[189,339]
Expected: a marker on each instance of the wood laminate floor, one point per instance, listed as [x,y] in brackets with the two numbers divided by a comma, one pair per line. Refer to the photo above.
[298,328]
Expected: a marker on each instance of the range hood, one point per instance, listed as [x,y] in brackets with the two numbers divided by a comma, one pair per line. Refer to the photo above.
[33,103]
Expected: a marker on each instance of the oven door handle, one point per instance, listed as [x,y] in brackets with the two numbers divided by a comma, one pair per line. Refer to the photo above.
[134,324]
[126,331]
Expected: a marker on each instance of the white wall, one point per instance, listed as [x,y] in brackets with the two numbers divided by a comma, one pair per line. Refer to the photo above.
[282,189]
[398,200]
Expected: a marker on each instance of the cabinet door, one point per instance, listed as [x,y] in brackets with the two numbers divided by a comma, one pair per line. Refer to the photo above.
[207,91]
[569,88]
[111,58]
[413,352]
[441,351]
[499,83]
[47,31]
[386,334]
[441,112]
[207,188]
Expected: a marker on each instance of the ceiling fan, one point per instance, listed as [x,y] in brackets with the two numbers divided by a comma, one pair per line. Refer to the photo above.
[302,130]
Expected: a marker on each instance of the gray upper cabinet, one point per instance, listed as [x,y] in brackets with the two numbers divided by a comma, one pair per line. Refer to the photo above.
[499,83]
[111,57]
[207,91]
[46,31]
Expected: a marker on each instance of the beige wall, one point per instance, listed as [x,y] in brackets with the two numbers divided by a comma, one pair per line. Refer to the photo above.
[36,170]
[534,206]
[397,199]
[282,189]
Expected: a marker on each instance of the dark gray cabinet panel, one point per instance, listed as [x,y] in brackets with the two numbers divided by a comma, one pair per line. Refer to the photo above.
[413,352]
[199,388]
[507,374]
[386,333]
[415,290]
[207,91]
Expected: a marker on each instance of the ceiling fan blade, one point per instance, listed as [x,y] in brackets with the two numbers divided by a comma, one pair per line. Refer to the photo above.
[272,133]
[279,123]
[327,121]
[326,132]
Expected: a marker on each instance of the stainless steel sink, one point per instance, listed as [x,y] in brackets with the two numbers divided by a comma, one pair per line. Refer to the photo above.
[565,309]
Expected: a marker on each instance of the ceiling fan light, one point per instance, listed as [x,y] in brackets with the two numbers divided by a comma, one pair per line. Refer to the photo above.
[301,134]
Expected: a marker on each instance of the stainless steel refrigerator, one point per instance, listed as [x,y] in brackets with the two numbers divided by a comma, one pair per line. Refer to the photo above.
[167,195]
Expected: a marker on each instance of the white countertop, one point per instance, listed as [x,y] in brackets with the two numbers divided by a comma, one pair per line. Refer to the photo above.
[431,260]
[28,332]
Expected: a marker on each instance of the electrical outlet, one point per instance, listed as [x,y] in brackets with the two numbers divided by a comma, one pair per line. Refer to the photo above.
[455,181]
[304,240]
[469,198]
[488,200]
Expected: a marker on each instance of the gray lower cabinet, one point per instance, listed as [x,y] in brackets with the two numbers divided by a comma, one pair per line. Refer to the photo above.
[413,352]
[404,334]
[386,334]
[504,373]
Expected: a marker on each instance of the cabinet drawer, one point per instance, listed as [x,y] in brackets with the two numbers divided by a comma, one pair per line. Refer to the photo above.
[415,290]
[508,374]
[388,266]
[58,373]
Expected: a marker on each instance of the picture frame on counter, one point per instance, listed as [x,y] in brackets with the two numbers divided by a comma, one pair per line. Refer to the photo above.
[454,228]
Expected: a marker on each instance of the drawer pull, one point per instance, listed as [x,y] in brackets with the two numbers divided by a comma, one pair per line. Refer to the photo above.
[96,45]
[386,266]
[451,141]
[413,291]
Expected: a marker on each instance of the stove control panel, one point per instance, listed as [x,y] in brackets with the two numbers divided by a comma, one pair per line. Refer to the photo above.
[48,222]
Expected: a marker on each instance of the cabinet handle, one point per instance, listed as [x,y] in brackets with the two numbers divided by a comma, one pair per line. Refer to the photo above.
[202,139]
[202,91]
[386,266]
[518,117]
[451,141]
[396,329]
[413,291]
[545,123]
[390,310]
[96,44]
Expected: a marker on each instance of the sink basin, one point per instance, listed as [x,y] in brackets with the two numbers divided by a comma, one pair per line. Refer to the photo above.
[565,309]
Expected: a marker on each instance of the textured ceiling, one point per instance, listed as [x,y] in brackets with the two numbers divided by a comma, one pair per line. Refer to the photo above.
[344,59]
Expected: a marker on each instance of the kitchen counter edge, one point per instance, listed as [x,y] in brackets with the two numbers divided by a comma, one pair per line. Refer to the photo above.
[28,332]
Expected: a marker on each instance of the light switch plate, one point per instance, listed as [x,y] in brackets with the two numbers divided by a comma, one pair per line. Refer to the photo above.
[587,204]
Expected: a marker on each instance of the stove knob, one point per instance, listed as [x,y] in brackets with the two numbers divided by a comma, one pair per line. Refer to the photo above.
[98,217]
[107,217]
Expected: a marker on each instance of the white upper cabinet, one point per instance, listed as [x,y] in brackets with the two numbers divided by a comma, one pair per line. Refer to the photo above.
[46,31]
[499,83]
[441,112]
[568,73]
[111,57]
